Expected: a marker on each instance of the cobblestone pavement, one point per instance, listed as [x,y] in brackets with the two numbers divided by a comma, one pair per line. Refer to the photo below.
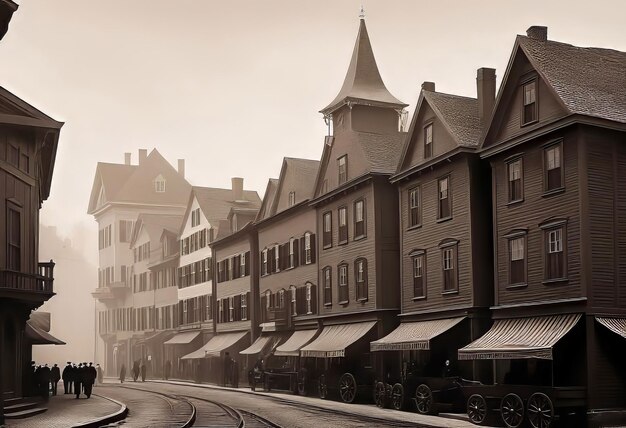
[66,411]
[305,412]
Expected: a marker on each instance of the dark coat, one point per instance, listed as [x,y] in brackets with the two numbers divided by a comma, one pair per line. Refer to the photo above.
[55,374]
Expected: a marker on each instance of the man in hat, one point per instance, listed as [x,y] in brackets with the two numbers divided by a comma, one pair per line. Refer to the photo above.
[55,376]
[67,377]
[78,380]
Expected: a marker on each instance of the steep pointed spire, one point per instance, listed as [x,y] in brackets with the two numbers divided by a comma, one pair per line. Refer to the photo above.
[363,84]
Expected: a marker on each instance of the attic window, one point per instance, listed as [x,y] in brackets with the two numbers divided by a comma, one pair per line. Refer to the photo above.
[159,184]
[428,141]
[292,199]
[343,169]
[529,114]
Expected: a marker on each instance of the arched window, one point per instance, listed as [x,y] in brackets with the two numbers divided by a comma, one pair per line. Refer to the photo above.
[281,299]
[159,184]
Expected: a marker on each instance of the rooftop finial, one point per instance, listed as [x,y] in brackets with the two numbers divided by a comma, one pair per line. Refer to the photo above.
[362,13]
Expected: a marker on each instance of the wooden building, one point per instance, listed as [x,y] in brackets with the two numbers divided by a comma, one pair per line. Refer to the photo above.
[28,146]
[357,218]
[556,148]
[445,233]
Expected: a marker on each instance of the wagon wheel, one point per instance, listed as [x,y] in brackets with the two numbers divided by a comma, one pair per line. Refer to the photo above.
[540,410]
[301,380]
[322,387]
[512,410]
[477,409]
[424,399]
[347,387]
[380,395]
[397,396]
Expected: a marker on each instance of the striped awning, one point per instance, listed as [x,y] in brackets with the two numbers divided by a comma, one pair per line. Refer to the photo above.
[183,338]
[517,338]
[616,325]
[215,346]
[414,335]
[264,344]
[291,348]
[334,339]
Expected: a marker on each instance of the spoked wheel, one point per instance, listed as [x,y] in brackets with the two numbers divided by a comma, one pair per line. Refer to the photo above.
[477,409]
[540,410]
[380,395]
[424,399]
[322,387]
[347,388]
[397,396]
[301,380]
[512,410]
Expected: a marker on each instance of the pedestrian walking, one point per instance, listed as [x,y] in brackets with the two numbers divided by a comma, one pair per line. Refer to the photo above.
[122,373]
[55,376]
[78,380]
[99,374]
[89,377]
[135,370]
[66,376]
[44,382]
[143,371]
[168,369]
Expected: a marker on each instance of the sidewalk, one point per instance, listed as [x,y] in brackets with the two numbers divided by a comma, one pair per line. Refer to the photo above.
[365,410]
[66,411]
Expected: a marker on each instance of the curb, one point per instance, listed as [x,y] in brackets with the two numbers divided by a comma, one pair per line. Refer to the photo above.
[109,419]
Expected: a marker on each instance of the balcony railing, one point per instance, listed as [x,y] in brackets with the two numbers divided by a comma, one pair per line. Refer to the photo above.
[42,281]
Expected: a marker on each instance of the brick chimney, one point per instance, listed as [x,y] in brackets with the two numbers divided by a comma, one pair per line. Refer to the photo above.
[486,93]
[537,32]
[428,86]
[143,154]
[181,167]
[237,186]
[127,158]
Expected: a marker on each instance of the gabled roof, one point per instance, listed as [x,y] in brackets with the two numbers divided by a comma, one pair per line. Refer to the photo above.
[135,183]
[268,199]
[459,115]
[363,84]
[216,203]
[297,175]
[155,225]
[589,81]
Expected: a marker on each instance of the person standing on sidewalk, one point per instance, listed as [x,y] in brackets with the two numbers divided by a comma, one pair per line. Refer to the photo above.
[78,380]
[66,376]
[122,373]
[55,376]
[143,371]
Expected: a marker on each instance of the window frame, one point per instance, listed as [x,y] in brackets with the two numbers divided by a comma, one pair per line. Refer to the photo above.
[428,144]
[363,235]
[546,148]
[509,164]
[292,198]
[308,257]
[547,228]
[309,298]
[327,278]
[343,290]
[448,180]
[421,255]
[342,240]
[342,176]
[418,209]
[361,287]
[515,235]
[327,243]
[294,300]
[451,246]
[526,82]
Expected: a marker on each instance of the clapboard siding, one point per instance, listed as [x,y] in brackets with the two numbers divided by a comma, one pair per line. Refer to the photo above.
[620,183]
[535,209]
[237,285]
[431,233]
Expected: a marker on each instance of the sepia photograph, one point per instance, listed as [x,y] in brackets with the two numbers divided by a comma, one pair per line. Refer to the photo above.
[311,214]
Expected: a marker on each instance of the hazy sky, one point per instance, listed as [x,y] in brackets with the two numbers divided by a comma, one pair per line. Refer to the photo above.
[233,86]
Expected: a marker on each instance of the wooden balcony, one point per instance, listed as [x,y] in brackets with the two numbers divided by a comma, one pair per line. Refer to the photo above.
[29,286]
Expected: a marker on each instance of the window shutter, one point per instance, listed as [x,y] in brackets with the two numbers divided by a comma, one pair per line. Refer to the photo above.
[284,257]
[296,252]
[302,251]
[263,308]
[247,256]
[313,247]
[313,299]
[237,306]
[272,261]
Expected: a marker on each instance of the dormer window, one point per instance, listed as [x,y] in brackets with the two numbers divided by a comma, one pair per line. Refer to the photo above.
[342,164]
[428,141]
[159,184]
[529,114]
[292,199]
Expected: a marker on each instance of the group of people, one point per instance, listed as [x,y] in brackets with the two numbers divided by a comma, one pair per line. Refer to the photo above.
[137,370]
[80,378]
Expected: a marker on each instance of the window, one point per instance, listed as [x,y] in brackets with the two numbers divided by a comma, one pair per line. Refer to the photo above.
[342,274]
[126,230]
[517,260]
[515,180]
[292,253]
[553,178]
[292,199]
[307,248]
[309,298]
[415,216]
[449,255]
[281,299]
[342,213]
[242,265]
[294,301]
[277,258]
[14,238]
[104,237]
[360,275]
[195,217]
[359,219]
[328,291]
[428,141]
[264,262]
[342,166]
[419,274]
[244,306]
[185,311]
[529,114]
[159,184]
[231,308]
[328,230]
[555,254]
[445,207]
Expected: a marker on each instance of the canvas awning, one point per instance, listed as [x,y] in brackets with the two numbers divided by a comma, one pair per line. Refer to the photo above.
[262,344]
[414,335]
[38,336]
[216,345]
[155,336]
[334,339]
[183,338]
[616,325]
[291,348]
[517,338]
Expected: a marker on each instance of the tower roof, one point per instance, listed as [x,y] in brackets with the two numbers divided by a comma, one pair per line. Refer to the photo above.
[363,84]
